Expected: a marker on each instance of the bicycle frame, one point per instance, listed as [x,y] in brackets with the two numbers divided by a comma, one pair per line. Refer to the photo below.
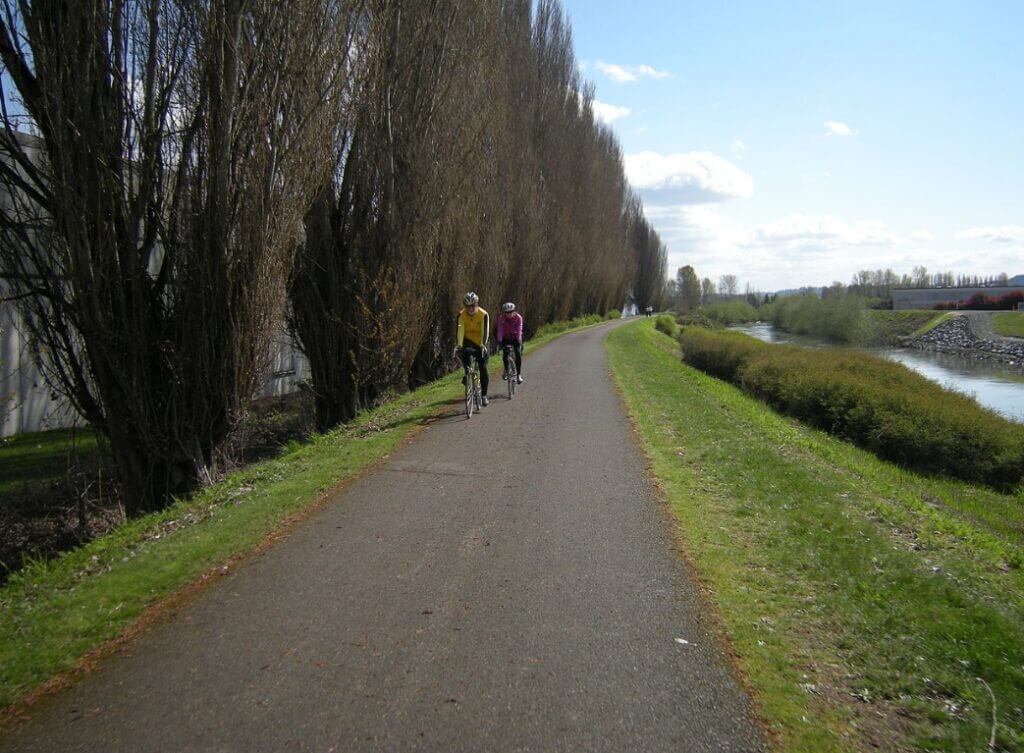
[474,400]
[511,373]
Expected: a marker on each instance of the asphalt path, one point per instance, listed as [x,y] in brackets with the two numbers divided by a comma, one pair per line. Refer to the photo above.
[504,583]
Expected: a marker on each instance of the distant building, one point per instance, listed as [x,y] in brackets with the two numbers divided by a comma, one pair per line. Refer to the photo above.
[929,298]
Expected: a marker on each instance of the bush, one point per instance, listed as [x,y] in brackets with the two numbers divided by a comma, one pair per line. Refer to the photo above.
[555,327]
[718,353]
[881,405]
[730,312]
[982,302]
[841,319]
[613,314]
[665,323]
[697,319]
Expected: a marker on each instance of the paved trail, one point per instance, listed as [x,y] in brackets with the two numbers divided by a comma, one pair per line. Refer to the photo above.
[506,583]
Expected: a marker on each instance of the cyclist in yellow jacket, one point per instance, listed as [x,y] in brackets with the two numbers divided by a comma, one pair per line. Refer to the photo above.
[471,337]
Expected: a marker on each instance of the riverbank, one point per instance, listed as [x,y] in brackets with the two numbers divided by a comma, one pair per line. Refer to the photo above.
[869,607]
[970,334]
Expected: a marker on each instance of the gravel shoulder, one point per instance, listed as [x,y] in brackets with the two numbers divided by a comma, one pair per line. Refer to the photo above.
[505,583]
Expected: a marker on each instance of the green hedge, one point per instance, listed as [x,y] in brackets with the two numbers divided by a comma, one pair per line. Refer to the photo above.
[613,314]
[719,353]
[881,405]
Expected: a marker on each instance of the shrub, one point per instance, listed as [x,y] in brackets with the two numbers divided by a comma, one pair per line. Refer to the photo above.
[718,353]
[730,312]
[613,314]
[665,323]
[555,327]
[881,405]
[697,319]
[842,319]
[982,302]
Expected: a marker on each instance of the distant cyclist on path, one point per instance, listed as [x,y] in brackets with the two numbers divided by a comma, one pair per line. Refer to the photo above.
[510,332]
[471,337]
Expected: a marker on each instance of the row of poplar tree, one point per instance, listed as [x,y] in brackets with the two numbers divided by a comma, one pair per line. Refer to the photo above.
[200,174]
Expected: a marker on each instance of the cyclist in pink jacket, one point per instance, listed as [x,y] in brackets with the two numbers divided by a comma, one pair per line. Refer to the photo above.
[510,332]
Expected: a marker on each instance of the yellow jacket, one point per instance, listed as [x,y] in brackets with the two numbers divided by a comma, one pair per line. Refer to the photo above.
[473,328]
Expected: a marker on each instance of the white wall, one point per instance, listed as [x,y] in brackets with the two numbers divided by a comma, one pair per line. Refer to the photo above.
[27,405]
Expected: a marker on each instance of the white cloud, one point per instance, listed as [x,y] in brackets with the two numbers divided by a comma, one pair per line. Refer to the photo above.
[687,178]
[617,72]
[922,235]
[738,148]
[627,74]
[609,113]
[835,128]
[798,232]
[1000,234]
[650,72]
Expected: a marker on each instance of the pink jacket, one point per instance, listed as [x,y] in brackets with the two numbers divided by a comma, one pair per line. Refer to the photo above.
[510,327]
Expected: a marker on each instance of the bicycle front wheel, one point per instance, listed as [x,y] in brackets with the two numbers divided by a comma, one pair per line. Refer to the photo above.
[470,398]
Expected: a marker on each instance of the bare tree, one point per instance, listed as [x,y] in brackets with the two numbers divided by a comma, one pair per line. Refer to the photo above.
[707,291]
[728,285]
[150,226]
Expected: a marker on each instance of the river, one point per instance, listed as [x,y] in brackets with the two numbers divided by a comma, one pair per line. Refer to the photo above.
[995,385]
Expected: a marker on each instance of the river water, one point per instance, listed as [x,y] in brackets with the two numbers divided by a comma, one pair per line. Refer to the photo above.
[995,385]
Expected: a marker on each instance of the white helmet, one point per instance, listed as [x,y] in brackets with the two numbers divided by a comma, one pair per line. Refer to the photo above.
[508,308]
[471,299]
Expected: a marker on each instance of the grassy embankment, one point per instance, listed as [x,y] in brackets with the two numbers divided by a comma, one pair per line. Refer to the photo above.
[54,612]
[1009,324]
[867,605]
[883,406]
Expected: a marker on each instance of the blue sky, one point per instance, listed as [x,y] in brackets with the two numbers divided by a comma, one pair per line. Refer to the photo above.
[793,143]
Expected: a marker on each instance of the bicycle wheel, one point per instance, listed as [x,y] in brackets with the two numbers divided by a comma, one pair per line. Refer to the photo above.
[470,397]
[477,394]
[510,380]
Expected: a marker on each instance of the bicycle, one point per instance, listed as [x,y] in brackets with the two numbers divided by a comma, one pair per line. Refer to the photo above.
[511,373]
[474,398]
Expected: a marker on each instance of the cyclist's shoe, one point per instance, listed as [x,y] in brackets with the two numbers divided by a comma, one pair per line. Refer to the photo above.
[505,377]
[519,379]
[485,401]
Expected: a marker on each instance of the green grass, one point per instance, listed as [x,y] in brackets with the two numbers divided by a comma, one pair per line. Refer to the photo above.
[1009,324]
[895,412]
[862,600]
[932,323]
[887,327]
[42,457]
[52,612]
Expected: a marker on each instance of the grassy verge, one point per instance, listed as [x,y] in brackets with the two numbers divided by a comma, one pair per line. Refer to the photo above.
[1009,324]
[863,601]
[55,611]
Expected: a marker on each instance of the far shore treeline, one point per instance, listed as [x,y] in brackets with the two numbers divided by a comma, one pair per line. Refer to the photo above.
[184,179]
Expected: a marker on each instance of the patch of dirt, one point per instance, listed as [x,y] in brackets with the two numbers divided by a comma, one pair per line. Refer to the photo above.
[45,519]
